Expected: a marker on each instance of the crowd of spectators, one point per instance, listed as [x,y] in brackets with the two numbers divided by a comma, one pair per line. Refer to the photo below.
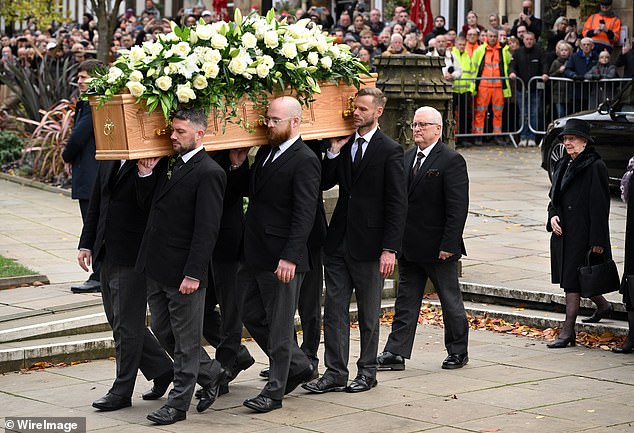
[469,51]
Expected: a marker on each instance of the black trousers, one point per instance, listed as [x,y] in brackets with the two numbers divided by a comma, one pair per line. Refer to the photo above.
[223,329]
[309,307]
[96,264]
[125,303]
[344,274]
[268,313]
[412,279]
[177,323]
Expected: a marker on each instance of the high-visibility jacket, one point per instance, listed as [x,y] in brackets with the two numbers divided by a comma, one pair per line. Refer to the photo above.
[612,24]
[499,69]
[465,84]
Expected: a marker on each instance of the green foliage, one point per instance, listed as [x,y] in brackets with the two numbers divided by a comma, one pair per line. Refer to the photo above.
[11,147]
[10,268]
[40,12]
[390,5]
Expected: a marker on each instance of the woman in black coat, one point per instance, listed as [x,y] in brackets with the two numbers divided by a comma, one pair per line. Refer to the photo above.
[627,186]
[578,219]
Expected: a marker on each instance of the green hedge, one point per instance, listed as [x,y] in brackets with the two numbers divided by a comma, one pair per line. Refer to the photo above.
[11,147]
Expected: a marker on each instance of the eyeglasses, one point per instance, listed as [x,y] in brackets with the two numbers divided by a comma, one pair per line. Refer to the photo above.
[268,120]
[422,125]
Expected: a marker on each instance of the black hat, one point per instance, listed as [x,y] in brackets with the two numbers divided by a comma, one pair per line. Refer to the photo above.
[577,127]
[606,2]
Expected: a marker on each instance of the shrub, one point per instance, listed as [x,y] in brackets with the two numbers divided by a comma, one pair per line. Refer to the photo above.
[11,147]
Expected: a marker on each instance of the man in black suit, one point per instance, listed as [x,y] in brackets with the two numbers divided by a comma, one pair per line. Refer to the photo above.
[175,255]
[283,191]
[363,239]
[79,160]
[438,201]
[112,234]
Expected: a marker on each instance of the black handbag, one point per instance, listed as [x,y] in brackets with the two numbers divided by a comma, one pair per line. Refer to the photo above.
[597,279]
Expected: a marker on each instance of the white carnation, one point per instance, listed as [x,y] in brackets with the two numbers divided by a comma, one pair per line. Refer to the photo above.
[164,83]
[289,50]
[184,93]
[248,40]
[136,88]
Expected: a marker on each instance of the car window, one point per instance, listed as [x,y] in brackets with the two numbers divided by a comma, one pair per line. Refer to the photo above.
[626,100]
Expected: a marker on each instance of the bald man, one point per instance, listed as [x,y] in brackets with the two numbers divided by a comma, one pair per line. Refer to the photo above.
[438,201]
[283,186]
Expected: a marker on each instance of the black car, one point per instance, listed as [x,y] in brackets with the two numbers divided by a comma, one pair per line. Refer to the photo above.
[612,129]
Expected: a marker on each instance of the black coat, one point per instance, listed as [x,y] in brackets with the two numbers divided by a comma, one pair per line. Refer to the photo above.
[184,220]
[372,204]
[282,204]
[628,268]
[80,151]
[580,196]
[115,222]
[438,203]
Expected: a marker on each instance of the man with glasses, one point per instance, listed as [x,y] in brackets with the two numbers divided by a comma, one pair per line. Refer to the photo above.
[603,27]
[472,42]
[283,186]
[438,201]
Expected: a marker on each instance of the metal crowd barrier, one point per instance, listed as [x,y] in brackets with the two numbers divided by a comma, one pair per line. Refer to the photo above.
[559,97]
[512,112]
[547,101]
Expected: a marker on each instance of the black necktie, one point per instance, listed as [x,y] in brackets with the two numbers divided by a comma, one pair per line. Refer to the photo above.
[356,160]
[269,160]
[177,164]
[419,158]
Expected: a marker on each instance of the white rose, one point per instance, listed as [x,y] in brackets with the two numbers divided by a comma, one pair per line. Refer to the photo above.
[170,37]
[184,93]
[210,70]
[248,40]
[114,74]
[155,49]
[270,39]
[213,56]
[219,26]
[136,76]
[164,83]
[181,49]
[313,58]
[268,61]
[335,51]
[200,82]
[262,70]
[326,62]
[237,65]
[218,41]
[303,63]
[167,54]
[170,69]
[205,32]
[136,88]
[137,54]
[289,50]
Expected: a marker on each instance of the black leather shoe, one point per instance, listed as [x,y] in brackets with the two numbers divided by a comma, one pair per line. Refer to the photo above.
[390,361]
[88,286]
[294,381]
[361,383]
[210,392]
[167,415]
[455,361]
[222,390]
[262,404]
[238,367]
[112,402]
[627,347]
[560,343]
[322,385]
[598,315]
[264,372]
[160,386]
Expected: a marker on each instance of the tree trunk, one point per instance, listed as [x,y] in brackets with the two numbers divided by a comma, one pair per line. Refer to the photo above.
[106,21]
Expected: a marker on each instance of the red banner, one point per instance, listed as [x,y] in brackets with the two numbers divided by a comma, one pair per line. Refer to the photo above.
[220,8]
[420,13]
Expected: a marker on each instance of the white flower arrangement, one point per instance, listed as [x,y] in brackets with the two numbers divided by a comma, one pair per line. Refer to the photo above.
[215,65]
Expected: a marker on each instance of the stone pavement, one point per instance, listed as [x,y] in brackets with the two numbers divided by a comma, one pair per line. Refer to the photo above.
[511,384]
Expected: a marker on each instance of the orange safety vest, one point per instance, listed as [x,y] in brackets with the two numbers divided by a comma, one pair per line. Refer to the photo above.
[470,48]
[611,23]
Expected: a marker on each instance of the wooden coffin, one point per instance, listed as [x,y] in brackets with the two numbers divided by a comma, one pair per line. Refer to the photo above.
[124,130]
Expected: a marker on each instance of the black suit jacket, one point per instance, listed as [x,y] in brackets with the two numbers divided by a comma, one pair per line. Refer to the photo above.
[229,244]
[80,151]
[282,203]
[184,220]
[371,206]
[115,221]
[438,202]
[317,235]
